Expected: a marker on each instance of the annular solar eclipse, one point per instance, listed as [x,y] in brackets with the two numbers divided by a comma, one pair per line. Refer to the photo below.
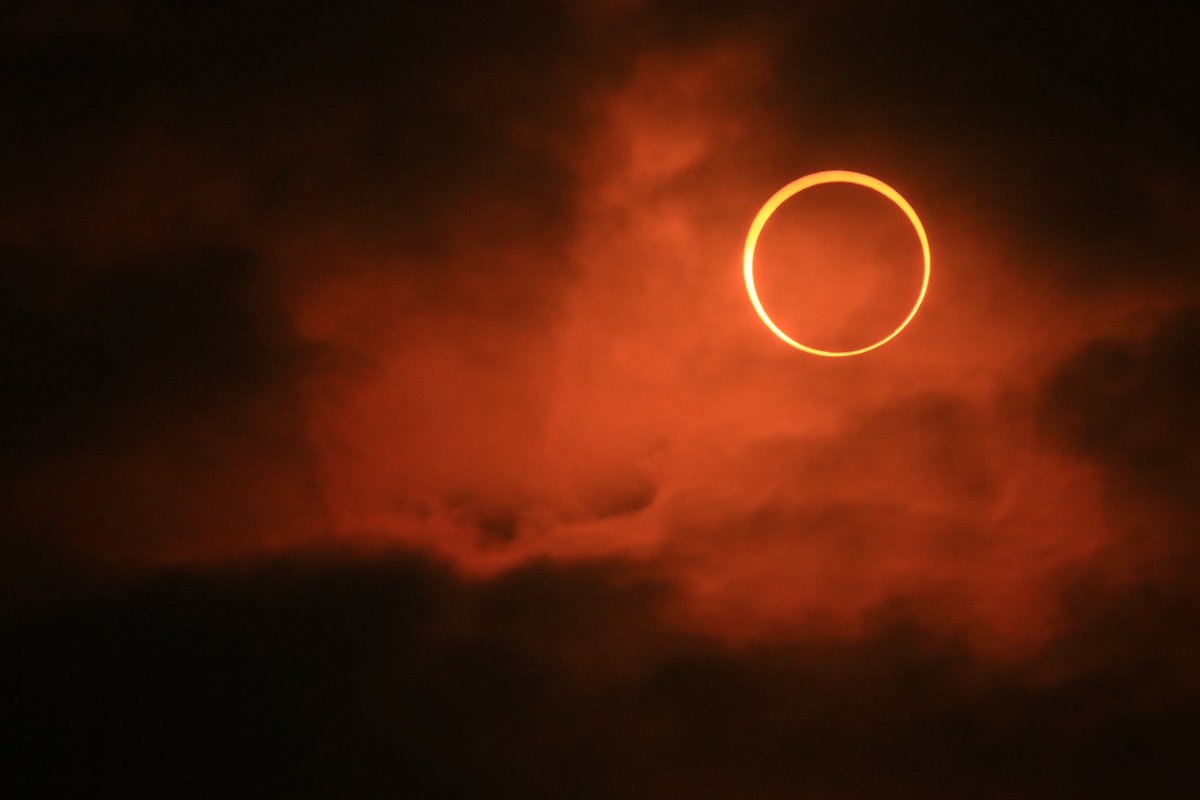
[807,182]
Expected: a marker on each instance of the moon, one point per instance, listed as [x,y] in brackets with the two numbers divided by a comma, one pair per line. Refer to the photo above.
[807,182]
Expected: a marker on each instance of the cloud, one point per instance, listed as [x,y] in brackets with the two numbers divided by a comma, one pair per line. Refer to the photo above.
[182,225]
[518,268]
[1133,405]
[466,281]
[325,674]
[118,349]
[152,412]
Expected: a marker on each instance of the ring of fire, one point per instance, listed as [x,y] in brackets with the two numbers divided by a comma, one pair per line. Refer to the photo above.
[807,182]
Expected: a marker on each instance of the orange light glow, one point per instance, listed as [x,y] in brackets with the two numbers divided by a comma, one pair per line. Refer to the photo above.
[807,182]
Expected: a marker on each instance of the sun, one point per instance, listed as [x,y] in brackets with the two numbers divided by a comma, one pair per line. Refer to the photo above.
[807,182]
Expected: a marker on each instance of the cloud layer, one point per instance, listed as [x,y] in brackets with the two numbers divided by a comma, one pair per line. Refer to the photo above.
[385,412]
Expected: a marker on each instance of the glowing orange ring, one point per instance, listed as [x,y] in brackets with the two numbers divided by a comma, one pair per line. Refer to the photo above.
[807,182]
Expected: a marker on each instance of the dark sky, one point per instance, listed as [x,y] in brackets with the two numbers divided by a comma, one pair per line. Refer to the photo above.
[384,415]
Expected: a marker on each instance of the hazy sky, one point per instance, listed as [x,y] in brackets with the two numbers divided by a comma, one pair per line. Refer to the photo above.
[384,415]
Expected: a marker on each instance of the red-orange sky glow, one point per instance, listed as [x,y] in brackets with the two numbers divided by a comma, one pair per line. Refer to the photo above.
[634,406]
[430,326]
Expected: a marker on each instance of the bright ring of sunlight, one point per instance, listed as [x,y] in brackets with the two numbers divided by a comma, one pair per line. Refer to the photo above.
[807,182]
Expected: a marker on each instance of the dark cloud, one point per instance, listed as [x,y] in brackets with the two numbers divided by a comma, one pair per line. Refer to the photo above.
[152,399]
[118,350]
[610,494]
[1134,406]
[254,121]
[333,676]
